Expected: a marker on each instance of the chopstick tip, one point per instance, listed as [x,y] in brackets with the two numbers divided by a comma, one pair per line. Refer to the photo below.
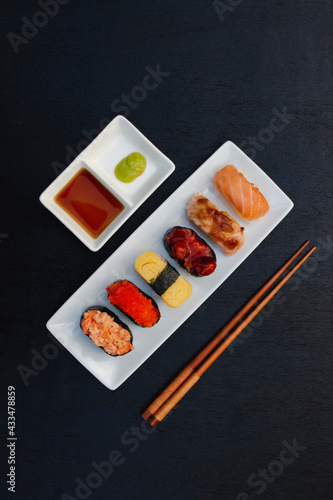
[146,415]
[154,421]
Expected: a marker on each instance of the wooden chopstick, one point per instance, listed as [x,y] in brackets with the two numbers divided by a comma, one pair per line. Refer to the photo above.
[188,370]
[179,393]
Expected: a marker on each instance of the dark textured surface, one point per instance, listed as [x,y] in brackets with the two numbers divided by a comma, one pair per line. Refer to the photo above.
[226,76]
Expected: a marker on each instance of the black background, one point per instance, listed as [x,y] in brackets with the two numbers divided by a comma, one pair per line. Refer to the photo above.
[227,73]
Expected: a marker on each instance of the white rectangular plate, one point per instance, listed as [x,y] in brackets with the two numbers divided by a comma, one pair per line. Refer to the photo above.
[115,142]
[113,371]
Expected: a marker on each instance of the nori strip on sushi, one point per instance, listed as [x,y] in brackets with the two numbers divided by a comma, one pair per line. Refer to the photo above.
[164,280]
[116,319]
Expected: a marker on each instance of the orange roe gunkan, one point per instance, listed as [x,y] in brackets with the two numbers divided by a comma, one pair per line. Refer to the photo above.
[138,306]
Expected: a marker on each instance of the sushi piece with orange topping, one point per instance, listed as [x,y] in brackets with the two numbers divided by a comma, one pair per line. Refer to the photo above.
[106,330]
[134,303]
[245,197]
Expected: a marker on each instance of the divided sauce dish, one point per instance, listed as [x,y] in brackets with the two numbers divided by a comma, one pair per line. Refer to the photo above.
[115,142]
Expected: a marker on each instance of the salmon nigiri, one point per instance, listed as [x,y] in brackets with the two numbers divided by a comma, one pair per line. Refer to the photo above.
[246,198]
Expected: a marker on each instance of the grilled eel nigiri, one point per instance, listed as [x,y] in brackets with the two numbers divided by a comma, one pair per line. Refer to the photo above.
[220,226]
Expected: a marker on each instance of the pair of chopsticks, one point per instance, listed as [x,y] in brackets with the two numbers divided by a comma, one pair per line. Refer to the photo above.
[186,379]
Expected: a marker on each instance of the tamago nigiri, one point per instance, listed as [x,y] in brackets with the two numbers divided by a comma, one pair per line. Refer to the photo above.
[245,197]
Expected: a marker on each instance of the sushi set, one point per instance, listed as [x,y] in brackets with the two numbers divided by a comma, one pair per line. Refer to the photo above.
[170,265]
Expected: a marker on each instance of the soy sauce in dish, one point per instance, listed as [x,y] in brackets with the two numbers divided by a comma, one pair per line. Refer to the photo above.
[89,203]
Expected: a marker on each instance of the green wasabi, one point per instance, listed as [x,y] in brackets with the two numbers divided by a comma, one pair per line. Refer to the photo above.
[129,168]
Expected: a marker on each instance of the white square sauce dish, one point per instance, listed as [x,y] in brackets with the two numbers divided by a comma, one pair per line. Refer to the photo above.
[89,199]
